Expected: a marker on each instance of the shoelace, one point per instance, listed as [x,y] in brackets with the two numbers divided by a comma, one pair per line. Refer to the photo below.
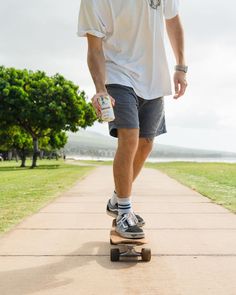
[128,218]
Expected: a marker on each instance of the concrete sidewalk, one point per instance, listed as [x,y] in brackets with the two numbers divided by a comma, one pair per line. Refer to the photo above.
[64,248]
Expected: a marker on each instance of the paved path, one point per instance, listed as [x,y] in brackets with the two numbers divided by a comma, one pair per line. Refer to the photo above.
[64,248]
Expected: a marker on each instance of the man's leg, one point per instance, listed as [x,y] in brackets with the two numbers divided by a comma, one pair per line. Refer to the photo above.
[126,221]
[126,128]
[128,142]
[124,167]
[151,124]
[144,148]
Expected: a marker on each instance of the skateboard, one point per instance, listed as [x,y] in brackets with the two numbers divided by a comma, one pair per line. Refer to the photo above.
[128,246]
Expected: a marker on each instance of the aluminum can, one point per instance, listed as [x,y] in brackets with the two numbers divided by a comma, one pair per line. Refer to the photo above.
[107,113]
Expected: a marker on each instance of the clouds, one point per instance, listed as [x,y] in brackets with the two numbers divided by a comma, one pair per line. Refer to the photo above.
[209,21]
[42,35]
[38,27]
[209,104]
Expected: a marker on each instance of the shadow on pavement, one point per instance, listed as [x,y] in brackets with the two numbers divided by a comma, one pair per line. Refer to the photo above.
[45,277]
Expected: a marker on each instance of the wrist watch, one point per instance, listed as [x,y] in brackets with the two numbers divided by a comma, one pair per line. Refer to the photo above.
[181,68]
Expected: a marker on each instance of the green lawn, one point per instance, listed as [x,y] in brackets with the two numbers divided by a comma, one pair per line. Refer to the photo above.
[216,181]
[25,191]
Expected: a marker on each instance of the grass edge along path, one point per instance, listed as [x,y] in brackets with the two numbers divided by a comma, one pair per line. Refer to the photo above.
[24,192]
[217,181]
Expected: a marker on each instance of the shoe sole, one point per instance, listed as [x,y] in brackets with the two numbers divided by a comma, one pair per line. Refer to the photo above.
[131,235]
[112,214]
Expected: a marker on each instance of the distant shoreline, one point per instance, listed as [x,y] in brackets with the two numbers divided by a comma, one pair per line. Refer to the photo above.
[158,160]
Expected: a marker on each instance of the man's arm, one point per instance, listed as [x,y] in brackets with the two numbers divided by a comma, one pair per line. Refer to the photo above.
[176,36]
[96,64]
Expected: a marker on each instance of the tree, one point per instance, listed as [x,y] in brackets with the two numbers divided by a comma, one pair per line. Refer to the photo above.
[14,137]
[57,140]
[40,104]
[54,142]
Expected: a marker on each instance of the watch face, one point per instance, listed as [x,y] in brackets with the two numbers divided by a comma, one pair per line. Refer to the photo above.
[154,3]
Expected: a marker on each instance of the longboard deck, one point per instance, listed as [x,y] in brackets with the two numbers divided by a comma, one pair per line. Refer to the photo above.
[116,239]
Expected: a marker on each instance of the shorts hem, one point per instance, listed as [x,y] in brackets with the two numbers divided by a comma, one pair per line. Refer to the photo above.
[151,135]
[113,129]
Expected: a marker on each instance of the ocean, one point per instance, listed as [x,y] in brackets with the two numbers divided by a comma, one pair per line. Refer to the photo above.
[158,160]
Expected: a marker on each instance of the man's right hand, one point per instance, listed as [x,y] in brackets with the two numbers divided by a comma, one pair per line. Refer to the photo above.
[96,104]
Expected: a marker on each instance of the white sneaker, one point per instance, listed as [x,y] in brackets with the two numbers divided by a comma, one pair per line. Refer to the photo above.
[126,226]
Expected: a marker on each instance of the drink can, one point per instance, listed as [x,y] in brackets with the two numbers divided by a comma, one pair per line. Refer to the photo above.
[107,113]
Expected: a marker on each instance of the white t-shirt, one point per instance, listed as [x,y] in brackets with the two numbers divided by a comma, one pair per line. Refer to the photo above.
[133,35]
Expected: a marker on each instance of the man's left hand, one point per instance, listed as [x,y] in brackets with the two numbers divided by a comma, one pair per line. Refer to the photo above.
[180,84]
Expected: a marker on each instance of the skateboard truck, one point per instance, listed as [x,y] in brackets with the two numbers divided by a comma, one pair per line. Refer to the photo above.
[130,251]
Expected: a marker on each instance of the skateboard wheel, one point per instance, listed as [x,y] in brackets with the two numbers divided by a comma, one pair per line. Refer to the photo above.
[146,254]
[115,254]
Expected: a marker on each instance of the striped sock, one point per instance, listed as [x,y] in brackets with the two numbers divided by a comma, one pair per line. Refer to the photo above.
[124,205]
[113,199]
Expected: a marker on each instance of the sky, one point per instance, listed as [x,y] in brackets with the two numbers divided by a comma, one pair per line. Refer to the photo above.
[41,34]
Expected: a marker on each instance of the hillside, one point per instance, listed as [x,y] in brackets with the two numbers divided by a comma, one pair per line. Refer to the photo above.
[95,144]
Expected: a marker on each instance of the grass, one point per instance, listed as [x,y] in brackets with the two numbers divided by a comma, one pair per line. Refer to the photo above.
[25,191]
[216,181]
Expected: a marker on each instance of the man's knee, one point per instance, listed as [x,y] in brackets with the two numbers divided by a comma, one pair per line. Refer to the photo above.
[128,138]
[145,145]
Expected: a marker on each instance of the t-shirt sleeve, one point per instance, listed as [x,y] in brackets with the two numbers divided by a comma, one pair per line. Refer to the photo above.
[90,21]
[171,8]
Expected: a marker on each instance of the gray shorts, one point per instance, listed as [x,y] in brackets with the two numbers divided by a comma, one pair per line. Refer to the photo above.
[132,111]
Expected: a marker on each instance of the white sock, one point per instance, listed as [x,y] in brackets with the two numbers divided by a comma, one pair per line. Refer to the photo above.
[113,199]
[124,205]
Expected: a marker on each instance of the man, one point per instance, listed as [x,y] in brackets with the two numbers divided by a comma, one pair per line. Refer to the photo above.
[127,60]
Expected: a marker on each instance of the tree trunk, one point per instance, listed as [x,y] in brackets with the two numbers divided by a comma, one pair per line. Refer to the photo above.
[9,156]
[23,158]
[41,154]
[35,153]
[16,155]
